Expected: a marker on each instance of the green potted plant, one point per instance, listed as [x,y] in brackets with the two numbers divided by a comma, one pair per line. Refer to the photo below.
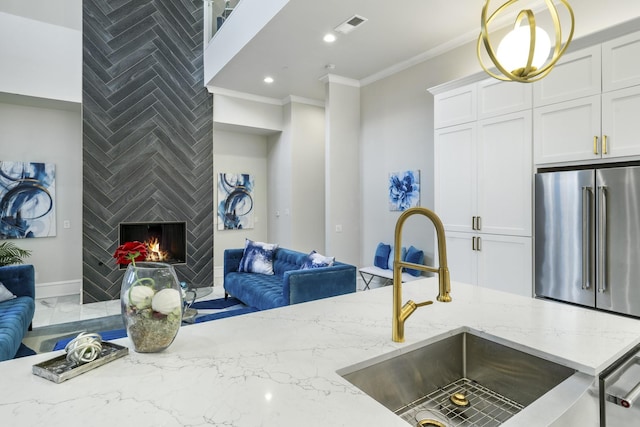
[11,254]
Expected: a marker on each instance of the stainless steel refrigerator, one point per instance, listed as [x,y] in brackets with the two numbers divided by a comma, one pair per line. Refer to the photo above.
[587,237]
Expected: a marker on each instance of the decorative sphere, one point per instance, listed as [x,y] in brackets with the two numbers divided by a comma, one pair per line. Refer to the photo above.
[140,296]
[513,50]
[167,301]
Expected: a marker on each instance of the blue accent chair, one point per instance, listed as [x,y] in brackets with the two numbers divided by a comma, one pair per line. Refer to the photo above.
[289,284]
[16,314]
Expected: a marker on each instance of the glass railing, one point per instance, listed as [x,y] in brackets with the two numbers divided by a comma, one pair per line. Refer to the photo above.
[216,12]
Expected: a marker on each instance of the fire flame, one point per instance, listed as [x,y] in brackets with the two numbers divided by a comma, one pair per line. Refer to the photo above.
[154,253]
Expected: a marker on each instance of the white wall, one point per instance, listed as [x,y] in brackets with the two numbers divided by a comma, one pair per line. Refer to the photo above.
[40,59]
[397,134]
[64,13]
[40,120]
[236,152]
[308,183]
[246,115]
[40,131]
[280,163]
[343,197]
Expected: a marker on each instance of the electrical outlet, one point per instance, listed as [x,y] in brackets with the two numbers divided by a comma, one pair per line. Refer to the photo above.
[66,223]
[339,228]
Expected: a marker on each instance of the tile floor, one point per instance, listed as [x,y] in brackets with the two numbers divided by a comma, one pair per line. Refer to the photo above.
[51,311]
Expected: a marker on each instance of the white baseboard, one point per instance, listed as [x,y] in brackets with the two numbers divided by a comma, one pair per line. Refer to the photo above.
[58,289]
[218,276]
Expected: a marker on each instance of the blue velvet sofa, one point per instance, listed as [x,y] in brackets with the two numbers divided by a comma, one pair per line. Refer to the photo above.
[16,314]
[289,284]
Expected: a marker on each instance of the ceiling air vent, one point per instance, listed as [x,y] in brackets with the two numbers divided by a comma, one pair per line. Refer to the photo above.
[350,24]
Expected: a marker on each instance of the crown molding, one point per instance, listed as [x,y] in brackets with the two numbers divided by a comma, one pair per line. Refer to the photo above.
[216,90]
[334,78]
[302,100]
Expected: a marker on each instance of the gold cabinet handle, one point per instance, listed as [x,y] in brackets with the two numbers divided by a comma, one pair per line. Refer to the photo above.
[595,145]
[473,243]
[604,144]
[479,244]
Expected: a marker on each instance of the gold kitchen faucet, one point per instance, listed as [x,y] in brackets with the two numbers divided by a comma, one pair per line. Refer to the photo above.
[402,313]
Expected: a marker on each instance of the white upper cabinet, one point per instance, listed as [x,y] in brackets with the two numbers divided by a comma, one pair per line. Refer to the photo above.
[620,123]
[483,175]
[455,107]
[621,63]
[586,109]
[455,176]
[593,128]
[576,75]
[568,131]
[496,98]
[504,159]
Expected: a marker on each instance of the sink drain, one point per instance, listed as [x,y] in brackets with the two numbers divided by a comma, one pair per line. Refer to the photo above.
[430,423]
[429,419]
[484,407]
[459,399]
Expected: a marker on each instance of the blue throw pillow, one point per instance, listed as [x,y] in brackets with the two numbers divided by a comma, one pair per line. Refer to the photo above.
[403,254]
[414,256]
[315,260]
[381,258]
[257,257]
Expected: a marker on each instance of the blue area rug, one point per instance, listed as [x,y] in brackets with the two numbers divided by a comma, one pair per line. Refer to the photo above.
[216,304]
[24,351]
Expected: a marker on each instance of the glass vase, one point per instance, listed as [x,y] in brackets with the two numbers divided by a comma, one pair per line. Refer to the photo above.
[151,301]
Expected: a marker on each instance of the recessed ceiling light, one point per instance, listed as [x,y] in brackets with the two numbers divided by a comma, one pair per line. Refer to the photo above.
[329,38]
[268,80]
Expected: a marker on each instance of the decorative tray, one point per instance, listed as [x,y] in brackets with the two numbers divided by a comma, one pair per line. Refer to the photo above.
[59,369]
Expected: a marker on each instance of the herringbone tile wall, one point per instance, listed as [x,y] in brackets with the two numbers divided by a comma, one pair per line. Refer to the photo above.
[147,133]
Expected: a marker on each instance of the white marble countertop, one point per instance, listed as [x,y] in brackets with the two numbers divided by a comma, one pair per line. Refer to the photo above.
[278,367]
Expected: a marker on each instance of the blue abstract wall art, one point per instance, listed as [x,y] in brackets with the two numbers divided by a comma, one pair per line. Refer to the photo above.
[27,200]
[404,190]
[235,201]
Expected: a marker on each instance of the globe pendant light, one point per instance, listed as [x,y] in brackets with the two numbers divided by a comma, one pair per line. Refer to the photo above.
[523,54]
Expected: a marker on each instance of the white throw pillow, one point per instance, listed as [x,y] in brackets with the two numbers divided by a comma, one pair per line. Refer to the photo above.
[5,294]
[316,260]
[258,257]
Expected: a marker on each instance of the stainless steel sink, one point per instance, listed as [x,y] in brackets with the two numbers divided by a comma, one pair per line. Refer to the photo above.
[495,381]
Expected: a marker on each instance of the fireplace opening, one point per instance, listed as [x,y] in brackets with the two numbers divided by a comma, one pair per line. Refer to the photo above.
[165,241]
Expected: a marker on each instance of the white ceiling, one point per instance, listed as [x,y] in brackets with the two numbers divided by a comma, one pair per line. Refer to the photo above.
[290,47]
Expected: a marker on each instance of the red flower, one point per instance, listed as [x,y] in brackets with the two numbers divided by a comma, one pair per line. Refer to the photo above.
[130,252]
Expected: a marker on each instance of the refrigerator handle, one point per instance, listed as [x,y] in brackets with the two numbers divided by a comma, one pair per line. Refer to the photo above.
[602,240]
[586,237]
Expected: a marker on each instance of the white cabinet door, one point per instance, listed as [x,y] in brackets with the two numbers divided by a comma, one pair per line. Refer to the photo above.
[576,75]
[621,62]
[455,107]
[505,174]
[487,175]
[455,176]
[505,264]
[461,258]
[620,122]
[496,97]
[567,131]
